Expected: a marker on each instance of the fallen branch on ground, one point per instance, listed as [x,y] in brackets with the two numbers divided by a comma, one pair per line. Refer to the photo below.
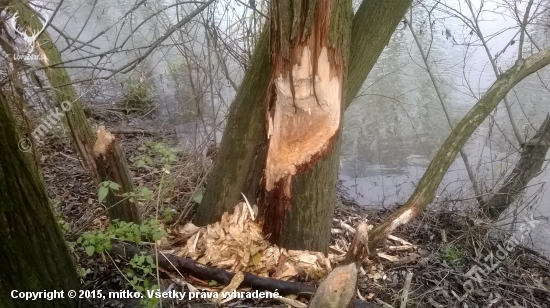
[172,263]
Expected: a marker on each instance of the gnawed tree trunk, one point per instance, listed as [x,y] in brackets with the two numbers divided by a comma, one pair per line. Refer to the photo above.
[338,288]
[309,47]
[83,137]
[529,165]
[243,150]
[431,179]
[107,154]
[33,253]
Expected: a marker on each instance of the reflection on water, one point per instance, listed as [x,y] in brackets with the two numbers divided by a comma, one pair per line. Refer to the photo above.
[397,124]
[395,127]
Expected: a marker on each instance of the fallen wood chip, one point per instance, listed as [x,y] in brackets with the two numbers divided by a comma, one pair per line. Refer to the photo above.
[388,257]
[400,248]
[291,302]
[236,243]
[172,263]
[402,241]
[232,286]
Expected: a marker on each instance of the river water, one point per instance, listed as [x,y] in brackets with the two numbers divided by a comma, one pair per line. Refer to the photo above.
[394,127]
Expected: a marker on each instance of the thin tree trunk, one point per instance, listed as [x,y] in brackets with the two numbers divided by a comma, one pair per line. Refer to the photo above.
[33,253]
[7,43]
[427,186]
[241,158]
[529,165]
[495,68]
[82,135]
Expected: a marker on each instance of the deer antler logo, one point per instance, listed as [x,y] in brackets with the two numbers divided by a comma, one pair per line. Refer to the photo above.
[29,40]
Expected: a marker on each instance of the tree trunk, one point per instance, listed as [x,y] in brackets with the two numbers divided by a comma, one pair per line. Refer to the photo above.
[66,99]
[309,47]
[33,254]
[107,154]
[529,165]
[424,192]
[243,150]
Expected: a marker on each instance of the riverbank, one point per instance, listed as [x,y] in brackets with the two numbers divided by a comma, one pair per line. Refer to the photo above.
[450,256]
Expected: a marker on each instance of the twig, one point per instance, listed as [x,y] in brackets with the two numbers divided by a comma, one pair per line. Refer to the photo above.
[406,289]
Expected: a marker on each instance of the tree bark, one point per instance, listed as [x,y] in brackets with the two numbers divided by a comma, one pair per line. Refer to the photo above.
[107,154]
[241,156]
[33,253]
[243,150]
[83,137]
[309,46]
[431,179]
[529,165]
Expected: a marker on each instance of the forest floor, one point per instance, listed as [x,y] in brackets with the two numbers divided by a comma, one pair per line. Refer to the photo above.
[455,257]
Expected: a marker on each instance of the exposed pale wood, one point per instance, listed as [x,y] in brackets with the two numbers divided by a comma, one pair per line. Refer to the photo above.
[309,47]
[338,289]
[359,248]
[239,163]
[406,288]
[176,264]
[179,265]
[82,135]
[110,160]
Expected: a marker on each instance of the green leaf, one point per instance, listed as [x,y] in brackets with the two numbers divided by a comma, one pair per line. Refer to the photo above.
[198,197]
[150,260]
[102,193]
[157,236]
[90,250]
[146,193]
[114,186]
[213,283]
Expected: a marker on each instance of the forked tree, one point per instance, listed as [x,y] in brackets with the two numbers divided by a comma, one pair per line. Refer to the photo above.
[281,143]
[282,138]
